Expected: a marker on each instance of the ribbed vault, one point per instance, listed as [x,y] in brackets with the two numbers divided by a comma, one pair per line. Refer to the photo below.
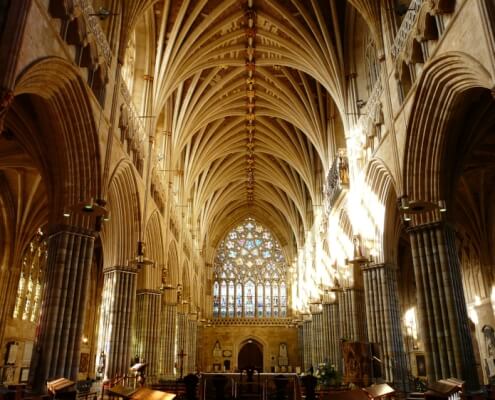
[251,96]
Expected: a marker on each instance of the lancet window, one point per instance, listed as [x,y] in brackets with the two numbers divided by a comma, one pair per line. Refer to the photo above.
[30,286]
[250,278]
[371,64]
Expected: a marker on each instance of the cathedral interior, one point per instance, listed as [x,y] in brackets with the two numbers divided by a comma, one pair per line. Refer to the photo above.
[212,186]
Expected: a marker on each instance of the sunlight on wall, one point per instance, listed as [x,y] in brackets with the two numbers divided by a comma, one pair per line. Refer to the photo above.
[411,323]
[105,324]
[473,315]
[367,216]
[319,269]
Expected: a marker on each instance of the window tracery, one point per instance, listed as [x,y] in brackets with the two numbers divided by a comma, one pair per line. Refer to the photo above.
[371,64]
[250,274]
[30,286]
[130,62]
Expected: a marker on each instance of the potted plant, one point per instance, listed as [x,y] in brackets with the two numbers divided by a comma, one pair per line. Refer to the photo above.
[327,375]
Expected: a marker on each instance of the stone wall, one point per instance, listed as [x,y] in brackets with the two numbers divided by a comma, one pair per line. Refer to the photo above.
[232,338]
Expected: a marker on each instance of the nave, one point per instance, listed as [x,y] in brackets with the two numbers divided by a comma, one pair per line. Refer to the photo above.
[301,188]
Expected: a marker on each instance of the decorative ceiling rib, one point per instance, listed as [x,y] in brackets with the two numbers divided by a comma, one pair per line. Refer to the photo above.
[254,86]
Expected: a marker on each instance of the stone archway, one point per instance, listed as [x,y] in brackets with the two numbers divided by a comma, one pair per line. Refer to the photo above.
[250,355]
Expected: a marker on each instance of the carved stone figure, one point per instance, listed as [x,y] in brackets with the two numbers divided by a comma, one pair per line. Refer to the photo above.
[217,350]
[123,122]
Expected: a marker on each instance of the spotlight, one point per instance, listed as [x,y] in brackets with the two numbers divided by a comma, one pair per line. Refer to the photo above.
[442,207]
[66,214]
[407,217]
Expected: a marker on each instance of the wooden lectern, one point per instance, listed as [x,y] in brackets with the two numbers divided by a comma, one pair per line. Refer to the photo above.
[62,388]
[356,394]
[381,391]
[142,393]
[450,388]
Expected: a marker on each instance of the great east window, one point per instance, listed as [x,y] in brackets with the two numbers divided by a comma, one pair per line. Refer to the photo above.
[250,278]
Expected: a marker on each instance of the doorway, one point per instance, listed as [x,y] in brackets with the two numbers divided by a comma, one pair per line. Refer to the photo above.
[251,356]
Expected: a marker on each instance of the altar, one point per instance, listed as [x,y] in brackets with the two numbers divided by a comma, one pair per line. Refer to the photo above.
[244,385]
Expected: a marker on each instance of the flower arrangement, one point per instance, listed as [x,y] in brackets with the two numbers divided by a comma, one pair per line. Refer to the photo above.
[327,374]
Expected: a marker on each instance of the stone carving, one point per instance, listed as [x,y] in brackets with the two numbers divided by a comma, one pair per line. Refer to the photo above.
[283,359]
[217,350]
[337,178]
[489,335]
[6,99]
[123,122]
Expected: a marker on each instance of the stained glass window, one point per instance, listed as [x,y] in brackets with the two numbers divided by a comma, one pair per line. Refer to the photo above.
[216,298]
[28,297]
[250,274]
[223,299]
[231,298]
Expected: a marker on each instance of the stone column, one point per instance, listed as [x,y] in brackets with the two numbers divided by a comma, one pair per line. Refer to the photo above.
[352,314]
[331,320]
[192,327]
[119,298]
[383,321]
[182,337]
[168,349]
[148,304]
[308,339]
[441,304]
[325,333]
[317,335]
[13,22]
[300,344]
[58,341]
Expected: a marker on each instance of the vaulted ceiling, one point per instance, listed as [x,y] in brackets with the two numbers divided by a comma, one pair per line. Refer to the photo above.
[255,91]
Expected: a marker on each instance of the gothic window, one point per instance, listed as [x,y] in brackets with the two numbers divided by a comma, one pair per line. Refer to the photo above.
[371,64]
[130,62]
[28,297]
[249,274]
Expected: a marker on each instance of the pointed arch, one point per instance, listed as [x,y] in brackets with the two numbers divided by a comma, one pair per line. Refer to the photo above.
[66,149]
[442,84]
[154,239]
[379,201]
[121,234]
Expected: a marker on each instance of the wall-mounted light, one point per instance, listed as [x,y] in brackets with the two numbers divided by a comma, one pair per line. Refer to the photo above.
[404,203]
[442,206]
[103,14]
[90,207]
[85,339]
[360,103]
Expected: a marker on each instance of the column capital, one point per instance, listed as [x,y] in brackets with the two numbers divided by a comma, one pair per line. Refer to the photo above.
[57,229]
[430,225]
[153,292]
[121,268]
[368,267]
